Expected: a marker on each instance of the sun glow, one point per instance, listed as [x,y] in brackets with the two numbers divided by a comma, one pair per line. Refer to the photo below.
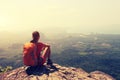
[4,21]
[81,16]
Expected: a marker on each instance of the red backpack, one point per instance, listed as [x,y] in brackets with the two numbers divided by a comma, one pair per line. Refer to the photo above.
[29,54]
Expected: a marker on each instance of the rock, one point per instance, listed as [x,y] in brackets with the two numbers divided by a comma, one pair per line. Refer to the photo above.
[55,72]
[100,75]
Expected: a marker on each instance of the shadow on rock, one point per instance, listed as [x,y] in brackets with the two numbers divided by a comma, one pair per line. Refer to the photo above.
[40,70]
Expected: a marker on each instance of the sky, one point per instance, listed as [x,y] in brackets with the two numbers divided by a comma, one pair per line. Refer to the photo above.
[56,16]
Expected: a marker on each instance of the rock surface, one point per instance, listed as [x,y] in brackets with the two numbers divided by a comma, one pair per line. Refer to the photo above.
[55,72]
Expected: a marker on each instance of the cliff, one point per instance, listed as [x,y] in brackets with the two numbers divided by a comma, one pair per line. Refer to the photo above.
[55,72]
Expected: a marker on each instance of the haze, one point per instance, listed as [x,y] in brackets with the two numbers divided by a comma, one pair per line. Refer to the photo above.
[57,16]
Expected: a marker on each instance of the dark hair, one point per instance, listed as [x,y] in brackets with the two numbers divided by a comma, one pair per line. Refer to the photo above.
[35,34]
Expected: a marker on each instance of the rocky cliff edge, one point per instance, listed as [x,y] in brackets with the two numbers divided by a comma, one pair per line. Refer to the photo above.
[55,72]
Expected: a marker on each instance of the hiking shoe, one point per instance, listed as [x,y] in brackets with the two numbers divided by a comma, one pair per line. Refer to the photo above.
[49,62]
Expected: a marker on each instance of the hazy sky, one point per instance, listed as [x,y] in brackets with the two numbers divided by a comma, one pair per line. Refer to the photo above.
[102,16]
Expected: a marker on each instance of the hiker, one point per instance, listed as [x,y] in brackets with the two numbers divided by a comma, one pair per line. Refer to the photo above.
[36,53]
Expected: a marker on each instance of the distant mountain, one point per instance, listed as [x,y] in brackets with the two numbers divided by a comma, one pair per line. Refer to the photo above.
[8,38]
